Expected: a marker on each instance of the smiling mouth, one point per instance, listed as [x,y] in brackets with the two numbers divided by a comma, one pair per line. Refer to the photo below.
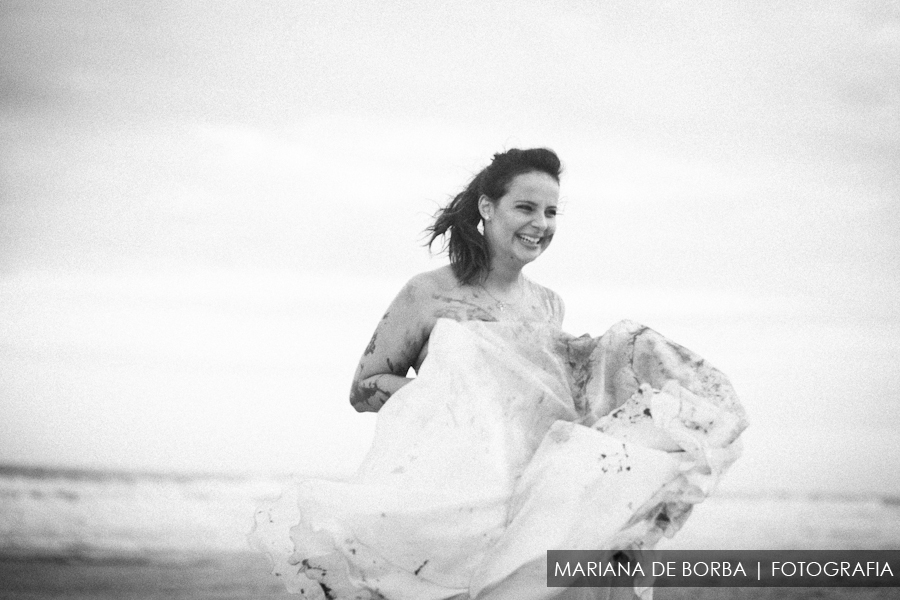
[530,240]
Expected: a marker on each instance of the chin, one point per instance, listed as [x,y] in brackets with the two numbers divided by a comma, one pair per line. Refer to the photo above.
[530,257]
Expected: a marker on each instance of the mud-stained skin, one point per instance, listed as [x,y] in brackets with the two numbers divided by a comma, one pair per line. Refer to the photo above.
[400,341]
[369,393]
[461,310]
[362,396]
[371,347]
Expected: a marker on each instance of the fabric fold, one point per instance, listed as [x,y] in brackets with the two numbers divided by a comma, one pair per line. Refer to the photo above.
[514,439]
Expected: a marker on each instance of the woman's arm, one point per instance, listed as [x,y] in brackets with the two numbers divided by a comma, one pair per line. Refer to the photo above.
[393,349]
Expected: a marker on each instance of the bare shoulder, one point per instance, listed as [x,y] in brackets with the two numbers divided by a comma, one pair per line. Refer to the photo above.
[438,281]
[417,292]
[402,331]
[414,309]
[400,339]
[426,289]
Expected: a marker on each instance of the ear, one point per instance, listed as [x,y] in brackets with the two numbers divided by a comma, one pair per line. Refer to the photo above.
[485,207]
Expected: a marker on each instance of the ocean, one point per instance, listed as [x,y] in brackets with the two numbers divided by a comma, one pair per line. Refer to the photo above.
[127,515]
[61,528]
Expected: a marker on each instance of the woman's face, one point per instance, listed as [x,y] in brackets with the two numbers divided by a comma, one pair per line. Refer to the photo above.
[520,225]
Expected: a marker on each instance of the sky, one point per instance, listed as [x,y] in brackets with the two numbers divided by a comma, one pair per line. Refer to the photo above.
[205,207]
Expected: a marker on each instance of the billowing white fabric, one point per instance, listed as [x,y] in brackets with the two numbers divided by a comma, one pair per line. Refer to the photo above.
[514,439]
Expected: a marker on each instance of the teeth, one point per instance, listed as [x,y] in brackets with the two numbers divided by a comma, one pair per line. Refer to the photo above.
[529,239]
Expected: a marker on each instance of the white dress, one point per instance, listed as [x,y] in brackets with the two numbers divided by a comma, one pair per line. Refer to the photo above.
[514,439]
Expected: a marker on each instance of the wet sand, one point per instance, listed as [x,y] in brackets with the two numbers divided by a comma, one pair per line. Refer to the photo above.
[245,576]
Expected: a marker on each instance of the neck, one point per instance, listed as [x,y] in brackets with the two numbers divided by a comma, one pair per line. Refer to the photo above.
[503,279]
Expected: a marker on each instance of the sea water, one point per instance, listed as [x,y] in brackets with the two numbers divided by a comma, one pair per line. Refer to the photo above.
[133,516]
[89,514]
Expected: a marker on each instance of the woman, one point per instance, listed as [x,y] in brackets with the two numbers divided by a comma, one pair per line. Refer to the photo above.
[503,220]
[514,438]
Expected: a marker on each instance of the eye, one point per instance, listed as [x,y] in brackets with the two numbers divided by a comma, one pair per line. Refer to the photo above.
[525,207]
[552,212]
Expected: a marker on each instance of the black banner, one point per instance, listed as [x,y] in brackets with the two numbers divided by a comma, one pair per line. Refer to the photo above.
[723,568]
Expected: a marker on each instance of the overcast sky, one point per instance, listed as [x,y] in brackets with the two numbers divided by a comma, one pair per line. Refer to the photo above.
[204,208]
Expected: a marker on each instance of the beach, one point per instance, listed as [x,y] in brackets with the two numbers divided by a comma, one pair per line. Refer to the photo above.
[234,575]
[244,576]
[79,534]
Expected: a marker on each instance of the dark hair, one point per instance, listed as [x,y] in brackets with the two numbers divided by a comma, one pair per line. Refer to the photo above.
[460,218]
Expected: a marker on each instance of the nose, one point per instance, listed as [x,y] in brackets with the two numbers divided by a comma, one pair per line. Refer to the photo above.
[539,221]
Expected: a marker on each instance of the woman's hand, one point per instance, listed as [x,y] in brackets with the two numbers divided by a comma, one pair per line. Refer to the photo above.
[371,393]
